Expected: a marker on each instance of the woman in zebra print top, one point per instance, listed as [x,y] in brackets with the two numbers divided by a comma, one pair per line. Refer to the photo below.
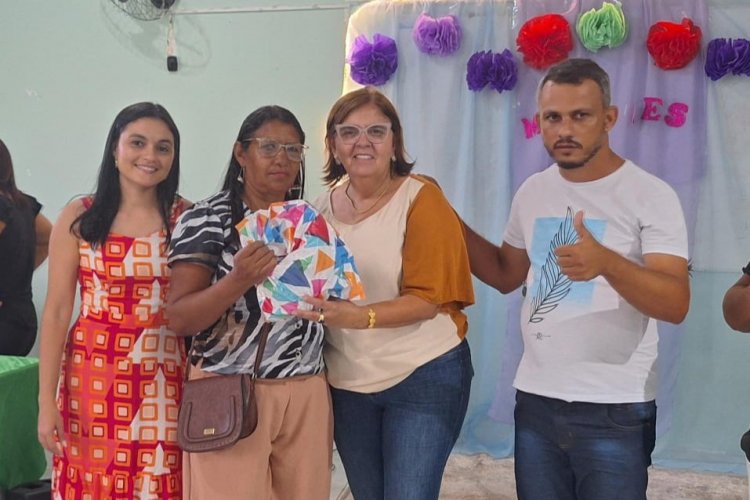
[213,297]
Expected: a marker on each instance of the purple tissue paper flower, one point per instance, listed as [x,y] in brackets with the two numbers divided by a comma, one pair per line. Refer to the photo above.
[719,58]
[741,48]
[441,36]
[373,63]
[478,69]
[504,72]
[724,55]
[500,71]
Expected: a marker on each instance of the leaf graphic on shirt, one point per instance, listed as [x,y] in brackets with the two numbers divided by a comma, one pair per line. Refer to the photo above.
[553,284]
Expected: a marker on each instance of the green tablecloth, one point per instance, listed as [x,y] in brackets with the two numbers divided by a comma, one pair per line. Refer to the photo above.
[22,458]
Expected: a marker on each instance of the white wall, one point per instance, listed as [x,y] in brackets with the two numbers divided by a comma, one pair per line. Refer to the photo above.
[68,67]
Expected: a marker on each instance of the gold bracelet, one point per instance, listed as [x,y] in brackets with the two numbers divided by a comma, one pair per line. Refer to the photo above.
[370,318]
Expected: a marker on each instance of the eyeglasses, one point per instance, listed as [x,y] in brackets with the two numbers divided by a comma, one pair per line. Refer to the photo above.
[350,133]
[269,148]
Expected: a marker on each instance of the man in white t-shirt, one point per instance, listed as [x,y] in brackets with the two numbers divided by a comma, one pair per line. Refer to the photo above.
[602,247]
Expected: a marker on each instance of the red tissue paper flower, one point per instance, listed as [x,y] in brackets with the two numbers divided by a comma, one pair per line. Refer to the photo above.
[545,40]
[673,45]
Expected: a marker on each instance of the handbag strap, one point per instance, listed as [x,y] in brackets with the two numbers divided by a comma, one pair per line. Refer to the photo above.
[264,331]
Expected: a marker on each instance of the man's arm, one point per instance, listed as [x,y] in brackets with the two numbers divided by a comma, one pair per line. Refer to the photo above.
[659,288]
[736,305]
[503,268]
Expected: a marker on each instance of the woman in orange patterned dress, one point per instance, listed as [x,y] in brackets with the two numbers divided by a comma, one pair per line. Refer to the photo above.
[112,425]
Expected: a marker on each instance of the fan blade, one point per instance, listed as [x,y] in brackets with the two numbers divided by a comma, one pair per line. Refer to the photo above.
[161,4]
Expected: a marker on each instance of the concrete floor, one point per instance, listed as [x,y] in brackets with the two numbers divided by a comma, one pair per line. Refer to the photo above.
[480,477]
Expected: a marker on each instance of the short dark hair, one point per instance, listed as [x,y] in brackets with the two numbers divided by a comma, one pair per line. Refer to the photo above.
[346,105]
[94,224]
[575,71]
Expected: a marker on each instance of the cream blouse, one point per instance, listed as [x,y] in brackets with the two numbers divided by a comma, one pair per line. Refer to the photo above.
[412,245]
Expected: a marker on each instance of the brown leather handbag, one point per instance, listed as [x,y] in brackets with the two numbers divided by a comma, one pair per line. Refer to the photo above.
[217,411]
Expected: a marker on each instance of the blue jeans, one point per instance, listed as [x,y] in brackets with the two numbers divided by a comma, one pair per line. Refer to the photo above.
[582,451]
[394,444]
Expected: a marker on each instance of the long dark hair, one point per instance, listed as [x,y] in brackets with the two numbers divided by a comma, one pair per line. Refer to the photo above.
[7,179]
[93,225]
[253,122]
[346,105]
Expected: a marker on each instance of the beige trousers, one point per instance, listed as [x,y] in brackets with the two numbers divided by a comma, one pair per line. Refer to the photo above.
[288,457]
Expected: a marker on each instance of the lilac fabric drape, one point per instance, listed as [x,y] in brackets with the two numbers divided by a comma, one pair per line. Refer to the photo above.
[476,145]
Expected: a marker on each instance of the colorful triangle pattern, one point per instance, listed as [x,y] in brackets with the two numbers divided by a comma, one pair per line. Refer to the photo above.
[312,258]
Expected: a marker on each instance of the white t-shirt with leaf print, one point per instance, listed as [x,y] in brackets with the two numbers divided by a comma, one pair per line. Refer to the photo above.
[582,341]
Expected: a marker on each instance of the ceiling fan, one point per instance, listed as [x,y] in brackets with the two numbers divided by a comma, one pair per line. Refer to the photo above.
[145,10]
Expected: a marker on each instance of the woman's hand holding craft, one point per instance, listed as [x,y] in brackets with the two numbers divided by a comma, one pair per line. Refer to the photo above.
[253,263]
[336,313]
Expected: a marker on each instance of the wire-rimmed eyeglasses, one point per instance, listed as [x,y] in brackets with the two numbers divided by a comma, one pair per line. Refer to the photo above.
[349,133]
[269,148]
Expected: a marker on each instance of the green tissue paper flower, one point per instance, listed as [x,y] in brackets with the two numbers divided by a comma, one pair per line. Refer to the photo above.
[602,27]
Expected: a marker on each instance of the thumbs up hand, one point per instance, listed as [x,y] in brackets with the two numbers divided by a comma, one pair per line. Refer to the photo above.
[586,258]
